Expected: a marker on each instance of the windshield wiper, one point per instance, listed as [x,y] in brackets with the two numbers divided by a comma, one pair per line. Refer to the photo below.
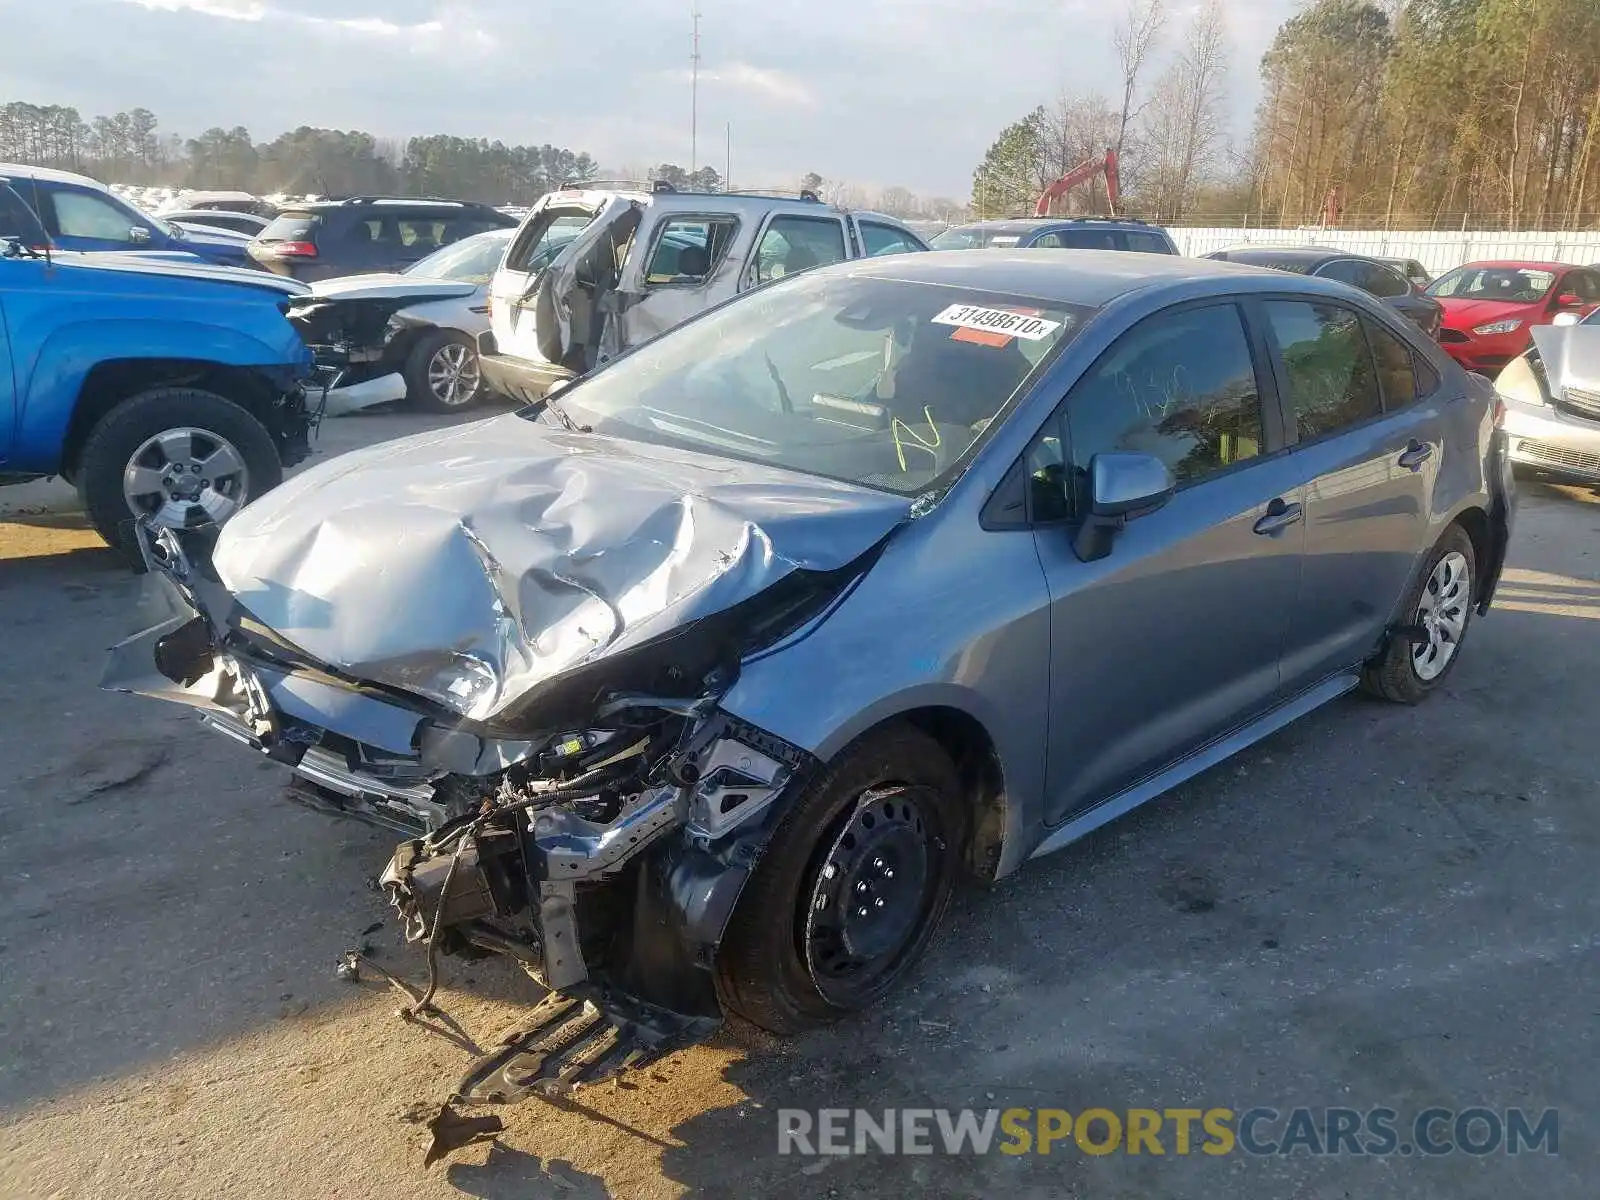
[565,418]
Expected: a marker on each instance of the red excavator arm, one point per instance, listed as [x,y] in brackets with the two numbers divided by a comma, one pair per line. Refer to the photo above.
[1087,169]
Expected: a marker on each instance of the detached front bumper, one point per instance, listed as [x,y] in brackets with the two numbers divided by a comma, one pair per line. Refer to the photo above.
[1546,437]
[520,379]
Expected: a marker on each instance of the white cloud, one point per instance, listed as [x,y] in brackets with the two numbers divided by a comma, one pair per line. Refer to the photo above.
[776,85]
[232,10]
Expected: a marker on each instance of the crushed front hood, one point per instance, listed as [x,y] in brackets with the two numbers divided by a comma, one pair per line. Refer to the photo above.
[1571,356]
[389,287]
[473,564]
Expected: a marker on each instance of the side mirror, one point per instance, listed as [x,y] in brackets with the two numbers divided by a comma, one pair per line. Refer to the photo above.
[1121,488]
[1568,300]
[1565,318]
[138,235]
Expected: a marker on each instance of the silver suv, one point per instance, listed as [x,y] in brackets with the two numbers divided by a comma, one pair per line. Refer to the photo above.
[593,272]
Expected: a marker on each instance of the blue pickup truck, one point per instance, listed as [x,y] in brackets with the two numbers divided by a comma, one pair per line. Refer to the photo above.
[160,387]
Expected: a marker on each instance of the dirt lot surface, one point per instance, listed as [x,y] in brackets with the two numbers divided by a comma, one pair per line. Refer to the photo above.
[1379,906]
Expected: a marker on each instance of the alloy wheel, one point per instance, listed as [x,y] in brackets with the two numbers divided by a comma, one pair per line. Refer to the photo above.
[1442,616]
[453,375]
[186,477]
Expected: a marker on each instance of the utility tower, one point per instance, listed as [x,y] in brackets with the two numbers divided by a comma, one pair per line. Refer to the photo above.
[694,92]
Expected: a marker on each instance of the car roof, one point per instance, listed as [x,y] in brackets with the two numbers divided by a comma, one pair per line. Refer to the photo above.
[746,202]
[1089,277]
[1512,264]
[1021,225]
[21,173]
[1310,255]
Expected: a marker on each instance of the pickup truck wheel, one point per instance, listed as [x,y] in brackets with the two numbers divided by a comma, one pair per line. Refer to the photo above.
[186,458]
[846,898]
[442,373]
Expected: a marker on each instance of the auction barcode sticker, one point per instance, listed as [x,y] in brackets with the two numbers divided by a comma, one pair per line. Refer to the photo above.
[997,320]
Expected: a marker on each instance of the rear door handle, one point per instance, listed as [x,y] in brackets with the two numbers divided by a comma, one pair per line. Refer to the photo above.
[1279,517]
[1415,455]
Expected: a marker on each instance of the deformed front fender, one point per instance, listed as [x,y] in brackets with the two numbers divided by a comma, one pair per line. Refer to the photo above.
[48,391]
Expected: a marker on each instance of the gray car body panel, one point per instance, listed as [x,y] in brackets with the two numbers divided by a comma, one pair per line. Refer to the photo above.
[969,643]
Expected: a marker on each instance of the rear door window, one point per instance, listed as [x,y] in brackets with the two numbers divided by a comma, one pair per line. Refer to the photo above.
[794,244]
[1383,282]
[1327,366]
[688,249]
[1397,374]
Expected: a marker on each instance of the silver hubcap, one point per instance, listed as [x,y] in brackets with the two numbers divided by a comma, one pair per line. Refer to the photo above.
[186,477]
[453,374]
[1442,615]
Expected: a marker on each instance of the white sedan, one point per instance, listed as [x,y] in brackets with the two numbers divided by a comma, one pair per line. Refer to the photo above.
[409,336]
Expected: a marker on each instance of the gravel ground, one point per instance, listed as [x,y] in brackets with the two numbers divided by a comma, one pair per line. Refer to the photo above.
[1379,906]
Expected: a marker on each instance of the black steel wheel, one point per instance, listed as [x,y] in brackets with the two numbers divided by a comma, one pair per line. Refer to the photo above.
[853,883]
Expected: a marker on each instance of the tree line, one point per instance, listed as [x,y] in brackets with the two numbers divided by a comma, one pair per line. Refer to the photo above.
[1419,114]
[129,147]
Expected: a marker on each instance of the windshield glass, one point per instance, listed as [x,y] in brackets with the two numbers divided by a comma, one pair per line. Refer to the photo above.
[1521,285]
[873,381]
[973,237]
[471,260]
[1592,319]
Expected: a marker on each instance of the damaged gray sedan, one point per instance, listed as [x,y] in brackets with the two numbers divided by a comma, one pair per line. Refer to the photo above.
[696,688]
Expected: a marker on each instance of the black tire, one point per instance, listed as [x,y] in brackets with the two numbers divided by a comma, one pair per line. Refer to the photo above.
[419,392]
[114,439]
[1393,674]
[762,971]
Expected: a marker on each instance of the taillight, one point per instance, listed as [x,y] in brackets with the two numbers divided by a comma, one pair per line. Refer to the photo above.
[1499,412]
[291,249]
[488,307]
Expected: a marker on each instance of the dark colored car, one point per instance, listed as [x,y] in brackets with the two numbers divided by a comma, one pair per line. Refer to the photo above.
[698,686]
[1491,308]
[1057,233]
[367,233]
[1371,275]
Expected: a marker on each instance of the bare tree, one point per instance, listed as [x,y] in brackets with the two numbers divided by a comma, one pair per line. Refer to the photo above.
[1134,38]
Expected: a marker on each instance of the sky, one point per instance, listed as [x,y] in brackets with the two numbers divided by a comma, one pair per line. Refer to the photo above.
[870,92]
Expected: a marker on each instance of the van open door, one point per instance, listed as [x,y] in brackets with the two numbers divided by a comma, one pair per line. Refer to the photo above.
[544,300]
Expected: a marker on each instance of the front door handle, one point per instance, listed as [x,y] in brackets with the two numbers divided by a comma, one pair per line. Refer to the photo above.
[1279,517]
[1415,455]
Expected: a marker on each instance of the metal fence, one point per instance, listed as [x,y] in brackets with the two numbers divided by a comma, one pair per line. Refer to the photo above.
[1438,251]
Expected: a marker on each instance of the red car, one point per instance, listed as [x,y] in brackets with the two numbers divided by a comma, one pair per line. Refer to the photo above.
[1490,307]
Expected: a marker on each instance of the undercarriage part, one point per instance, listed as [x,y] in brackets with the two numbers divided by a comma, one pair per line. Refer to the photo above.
[571,1041]
[406,804]
[480,878]
[451,1131]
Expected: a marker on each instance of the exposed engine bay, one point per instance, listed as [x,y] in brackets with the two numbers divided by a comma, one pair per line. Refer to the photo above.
[548,843]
